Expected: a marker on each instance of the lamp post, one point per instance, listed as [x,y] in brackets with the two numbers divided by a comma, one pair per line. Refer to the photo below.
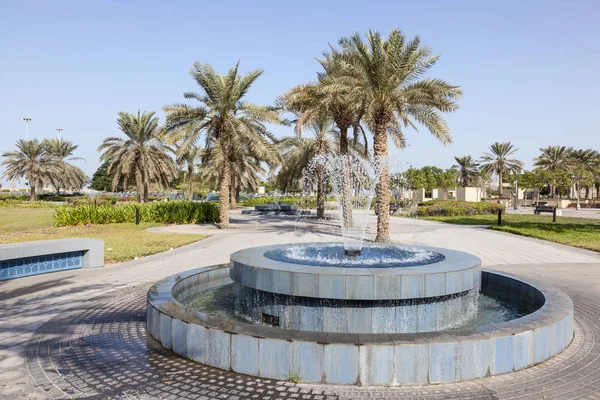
[516,200]
[26,127]
[59,130]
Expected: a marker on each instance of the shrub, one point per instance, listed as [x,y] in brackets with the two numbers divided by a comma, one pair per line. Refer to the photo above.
[172,212]
[300,201]
[452,208]
[25,203]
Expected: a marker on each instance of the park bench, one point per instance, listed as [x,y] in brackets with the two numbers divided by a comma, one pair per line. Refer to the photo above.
[393,208]
[545,209]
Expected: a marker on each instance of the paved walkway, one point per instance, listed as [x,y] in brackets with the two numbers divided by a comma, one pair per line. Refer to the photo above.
[80,334]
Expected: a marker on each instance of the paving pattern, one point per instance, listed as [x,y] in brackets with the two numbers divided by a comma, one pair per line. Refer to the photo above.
[87,340]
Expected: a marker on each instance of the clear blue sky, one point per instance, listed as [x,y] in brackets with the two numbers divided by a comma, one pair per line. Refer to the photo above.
[530,70]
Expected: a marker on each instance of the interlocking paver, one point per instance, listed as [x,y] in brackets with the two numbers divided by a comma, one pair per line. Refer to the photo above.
[81,334]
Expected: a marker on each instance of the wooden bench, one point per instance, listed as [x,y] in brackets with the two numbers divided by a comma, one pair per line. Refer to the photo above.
[547,209]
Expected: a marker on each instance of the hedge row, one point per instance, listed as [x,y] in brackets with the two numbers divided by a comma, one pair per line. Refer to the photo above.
[451,208]
[172,212]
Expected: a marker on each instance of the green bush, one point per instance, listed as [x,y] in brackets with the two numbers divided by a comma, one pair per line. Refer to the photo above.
[451,208]
[25,203]
[172,212]
[300,201]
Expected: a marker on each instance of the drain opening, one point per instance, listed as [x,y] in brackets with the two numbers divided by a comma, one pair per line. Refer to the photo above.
[270,320]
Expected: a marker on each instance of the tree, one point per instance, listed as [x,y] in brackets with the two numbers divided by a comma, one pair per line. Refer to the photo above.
[447,180]
[225,118]
[586,159]
[142,156]
[32,161]
[188,160]
[467,170]
[101,181]
[385,76]
[497,161]
[580,177]
[68,176]
[298,152]
[553,158]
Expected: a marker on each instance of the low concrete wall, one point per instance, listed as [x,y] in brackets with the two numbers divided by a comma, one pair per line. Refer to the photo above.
[16,256]
[362,359]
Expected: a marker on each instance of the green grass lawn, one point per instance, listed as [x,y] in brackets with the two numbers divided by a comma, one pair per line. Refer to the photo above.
[576,232]
[122,242]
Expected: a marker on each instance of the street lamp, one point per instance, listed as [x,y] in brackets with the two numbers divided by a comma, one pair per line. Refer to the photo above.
[26,127]
[516,199]
[59,130]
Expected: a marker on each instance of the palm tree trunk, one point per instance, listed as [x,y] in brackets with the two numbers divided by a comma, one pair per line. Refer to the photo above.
[146,190]
[32,193]
[237,193]
[139,185]
[233,187]
[500,185]
[383,186]
[346,180]
[320,193]
[224,178]
[190,182]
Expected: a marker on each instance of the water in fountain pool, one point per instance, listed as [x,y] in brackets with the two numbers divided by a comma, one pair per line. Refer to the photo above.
[223,302]
[372,256]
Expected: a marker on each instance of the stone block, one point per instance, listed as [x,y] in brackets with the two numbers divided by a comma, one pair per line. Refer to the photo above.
[523,350]
[383,319]
[501,353]
[359,287]
[541,344]
[454,281]
[196,343]
[335,319]
[249,276]
[307,361]
[165,330]
[444,362]
[412,363]
[387,286]
[376,364]
[332,286]
[244,354]
[435,285]
[274,358]
[475,358]
[264,279]
[359,320]
[306,285]
[341,364]
[282,282]
[179,337]
[406,318]
[153,322]
[218,348]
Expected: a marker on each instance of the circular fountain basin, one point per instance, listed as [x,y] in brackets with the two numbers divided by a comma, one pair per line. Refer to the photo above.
[450,355]
[416,272]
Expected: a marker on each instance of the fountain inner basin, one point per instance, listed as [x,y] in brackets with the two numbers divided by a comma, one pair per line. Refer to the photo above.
[389,288]
[371,256]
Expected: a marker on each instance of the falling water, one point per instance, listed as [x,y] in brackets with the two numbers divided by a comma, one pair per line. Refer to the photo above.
[352,180]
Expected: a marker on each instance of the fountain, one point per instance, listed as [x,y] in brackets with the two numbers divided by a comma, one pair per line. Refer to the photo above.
[355,313]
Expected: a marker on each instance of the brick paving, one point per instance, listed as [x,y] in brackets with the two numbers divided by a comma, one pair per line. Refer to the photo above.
[81,334]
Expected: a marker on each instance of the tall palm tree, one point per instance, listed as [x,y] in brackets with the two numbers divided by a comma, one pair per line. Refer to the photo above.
[69,176]
[553,158]
[468,170]
[32,161]
[497,161]
[385,76]
[587,159]
[143,155]
[188,160]
[298,152]
[225,118]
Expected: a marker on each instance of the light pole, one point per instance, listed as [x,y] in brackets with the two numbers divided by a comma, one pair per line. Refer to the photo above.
[26,127]
[59,130]
[576,186]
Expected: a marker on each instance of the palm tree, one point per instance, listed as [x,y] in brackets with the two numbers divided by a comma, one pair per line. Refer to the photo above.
[298,152]
[385,76]
[497,161]
[31,161]
[225,118]
[553,158]
[69,176]
[188,160]
[143,155]
[587,159]
[467,170]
